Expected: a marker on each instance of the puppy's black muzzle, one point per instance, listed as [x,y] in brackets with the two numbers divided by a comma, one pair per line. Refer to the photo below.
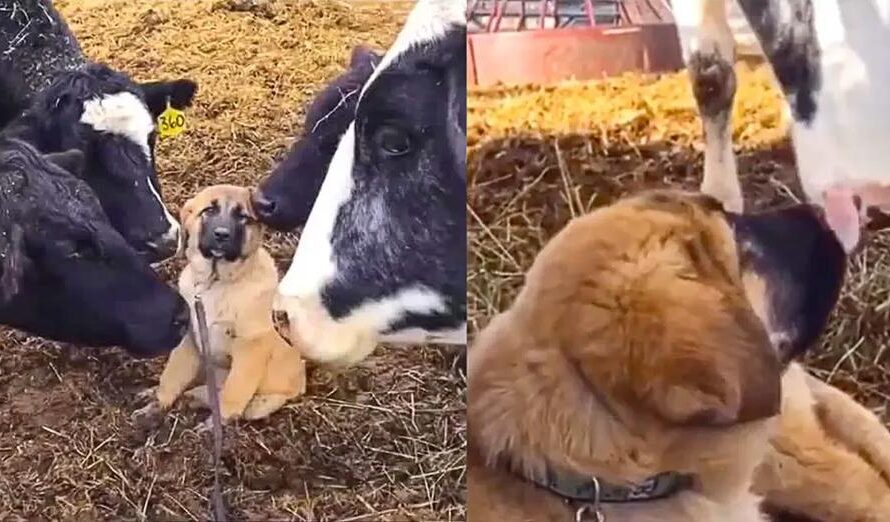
[803,265]
[221,237]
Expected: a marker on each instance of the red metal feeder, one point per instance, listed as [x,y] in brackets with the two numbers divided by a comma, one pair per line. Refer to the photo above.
[547,41]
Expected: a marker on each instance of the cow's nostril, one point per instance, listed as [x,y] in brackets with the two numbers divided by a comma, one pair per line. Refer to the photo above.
[264,206]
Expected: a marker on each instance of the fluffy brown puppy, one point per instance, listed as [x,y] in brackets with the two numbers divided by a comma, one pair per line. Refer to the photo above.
[633,355]
[237,281]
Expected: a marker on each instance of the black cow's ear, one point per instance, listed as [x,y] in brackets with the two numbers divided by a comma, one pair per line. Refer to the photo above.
[12,261]
[180,93]
[70,160]
[363,56]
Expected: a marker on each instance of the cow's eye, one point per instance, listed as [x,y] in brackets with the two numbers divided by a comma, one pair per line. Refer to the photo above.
[392,140]
[84,248]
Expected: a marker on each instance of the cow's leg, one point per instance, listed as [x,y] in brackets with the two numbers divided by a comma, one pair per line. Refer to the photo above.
[709,52]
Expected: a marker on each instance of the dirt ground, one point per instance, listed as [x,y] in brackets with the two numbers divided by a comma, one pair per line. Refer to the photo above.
[383,441]
[538,156]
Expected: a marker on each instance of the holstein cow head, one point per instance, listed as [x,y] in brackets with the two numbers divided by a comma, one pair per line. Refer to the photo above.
[111,120]
[383,253]
[285,197]
[65,273]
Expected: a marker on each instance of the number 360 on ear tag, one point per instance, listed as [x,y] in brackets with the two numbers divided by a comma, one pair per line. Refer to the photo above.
[171,122]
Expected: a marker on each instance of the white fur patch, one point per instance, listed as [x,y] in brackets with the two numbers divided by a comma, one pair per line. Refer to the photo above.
[313,263]
[428,21]
[348,341]
[124,114]
[121,113]
[419,336]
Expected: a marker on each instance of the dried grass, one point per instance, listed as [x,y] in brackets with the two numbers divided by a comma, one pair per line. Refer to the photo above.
[384,441]
[540,155]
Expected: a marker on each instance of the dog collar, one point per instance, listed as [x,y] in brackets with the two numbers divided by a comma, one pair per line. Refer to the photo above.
[593,490]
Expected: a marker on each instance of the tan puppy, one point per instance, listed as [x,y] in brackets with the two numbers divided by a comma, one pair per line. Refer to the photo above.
[635,350]
[237,281]
[631,352]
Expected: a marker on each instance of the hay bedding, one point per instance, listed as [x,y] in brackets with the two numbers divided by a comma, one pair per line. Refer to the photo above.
[384,441]
[539,155]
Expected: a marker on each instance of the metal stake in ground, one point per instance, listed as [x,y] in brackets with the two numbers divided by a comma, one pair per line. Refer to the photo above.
[219,508]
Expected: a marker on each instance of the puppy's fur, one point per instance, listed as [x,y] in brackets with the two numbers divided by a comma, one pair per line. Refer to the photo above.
[830,458]
[237,286]
[632,350]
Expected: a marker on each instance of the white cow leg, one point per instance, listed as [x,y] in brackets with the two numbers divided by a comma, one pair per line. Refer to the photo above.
[710,55]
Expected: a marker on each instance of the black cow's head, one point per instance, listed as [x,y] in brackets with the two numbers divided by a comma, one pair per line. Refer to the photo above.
[111,120]
[67,274]
[285,197]
[383,253]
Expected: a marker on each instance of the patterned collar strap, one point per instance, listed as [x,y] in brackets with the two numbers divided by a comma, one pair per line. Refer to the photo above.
[586,489]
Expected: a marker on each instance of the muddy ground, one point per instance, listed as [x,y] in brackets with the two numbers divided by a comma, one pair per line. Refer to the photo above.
[383,441]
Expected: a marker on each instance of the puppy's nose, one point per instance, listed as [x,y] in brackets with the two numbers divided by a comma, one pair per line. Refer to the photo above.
[221,233]
[263,206]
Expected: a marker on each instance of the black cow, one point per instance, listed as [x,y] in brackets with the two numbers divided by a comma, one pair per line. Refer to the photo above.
[284,199]
[64,102]
[383,253]
[65,273]
[111,119]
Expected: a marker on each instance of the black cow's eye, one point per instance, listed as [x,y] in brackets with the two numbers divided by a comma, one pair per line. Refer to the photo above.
[84,248]
[392,140]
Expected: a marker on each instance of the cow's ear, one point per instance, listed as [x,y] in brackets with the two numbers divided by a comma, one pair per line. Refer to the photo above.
[69,160]
[180,93]
[12,262]
[363,56]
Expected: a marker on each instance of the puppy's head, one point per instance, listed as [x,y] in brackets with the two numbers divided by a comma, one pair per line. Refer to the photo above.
[648,298]
[220,224]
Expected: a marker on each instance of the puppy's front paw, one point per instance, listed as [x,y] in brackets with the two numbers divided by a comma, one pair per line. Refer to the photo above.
[206,425]
[147,394]
[149,415]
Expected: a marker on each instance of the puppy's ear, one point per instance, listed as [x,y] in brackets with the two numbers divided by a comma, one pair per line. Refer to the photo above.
[716,369]
[248,204]
[187,212]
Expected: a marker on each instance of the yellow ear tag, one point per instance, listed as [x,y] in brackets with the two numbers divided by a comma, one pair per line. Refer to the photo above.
[171,122]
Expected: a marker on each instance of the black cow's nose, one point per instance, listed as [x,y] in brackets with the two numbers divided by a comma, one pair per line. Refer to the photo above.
[181,319]
[161,249]
[263,206]
[221,233]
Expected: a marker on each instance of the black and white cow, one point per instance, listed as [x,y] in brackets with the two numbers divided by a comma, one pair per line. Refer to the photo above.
[65,102]
[383,254]
[283,200]
[111,119]
[65,273]
[831,60]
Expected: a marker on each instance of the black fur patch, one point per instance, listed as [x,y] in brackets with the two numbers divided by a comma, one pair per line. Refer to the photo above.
[792,49]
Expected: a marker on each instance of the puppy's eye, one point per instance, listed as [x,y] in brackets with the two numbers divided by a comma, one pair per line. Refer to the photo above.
[208,210]
[393,141]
